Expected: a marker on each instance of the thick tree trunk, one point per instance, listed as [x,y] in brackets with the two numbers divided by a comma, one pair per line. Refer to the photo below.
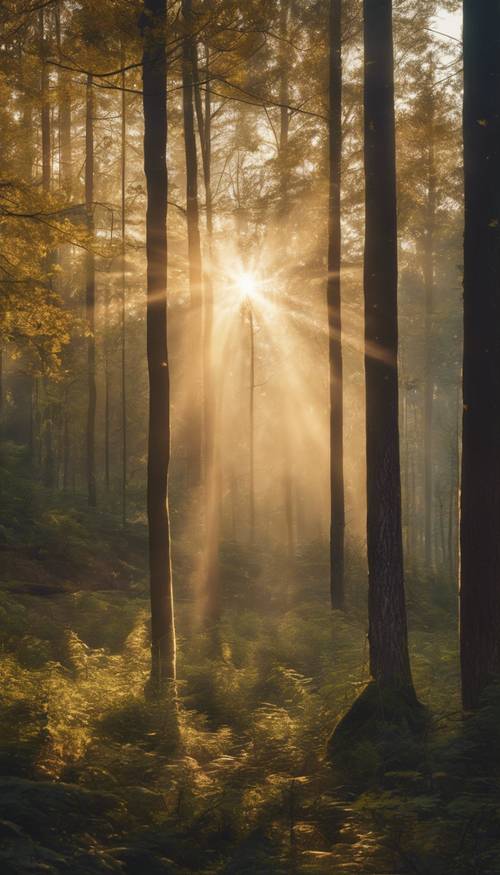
[337,512]
[90,294]
[155,167]
[389,659]
[480,494]
[194,243]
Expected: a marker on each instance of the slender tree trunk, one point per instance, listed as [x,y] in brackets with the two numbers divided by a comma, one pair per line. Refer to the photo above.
[155,167]
[337,512]
[389,659]
[210,455]
[194,242]
[123,299]
[283,215]
[66,446]
[251,423]
[428,272]
[64,116]
[480,494]
[45,106]
[107,392]
[90,294]
[284,111]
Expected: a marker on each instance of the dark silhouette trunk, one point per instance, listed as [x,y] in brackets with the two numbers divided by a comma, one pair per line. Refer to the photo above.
[337,518]
[194,243]
[90,294]
[155,167]
[389,659]
[480,493]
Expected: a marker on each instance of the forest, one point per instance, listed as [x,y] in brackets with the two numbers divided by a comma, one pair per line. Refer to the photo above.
[250,437]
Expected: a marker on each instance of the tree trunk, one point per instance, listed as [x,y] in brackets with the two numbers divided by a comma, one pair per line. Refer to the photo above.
[64,115]
[90,294]
[337,512]
[123,299]
[210,456]
[155,167]
[284,111]
[480,494]
[428,273]
[45,106]
[251,423]
[107,392]
[389,659]
[194,243]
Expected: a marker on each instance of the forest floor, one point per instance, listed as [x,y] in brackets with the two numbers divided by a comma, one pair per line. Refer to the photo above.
[95,779]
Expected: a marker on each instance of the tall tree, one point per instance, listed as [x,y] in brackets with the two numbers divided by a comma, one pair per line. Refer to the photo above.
[337,512]
[480,495]
[155,168]
[45,104]
[123,295]
[428,270]
[90,294]
[210,457]
[388,640]
[193,228]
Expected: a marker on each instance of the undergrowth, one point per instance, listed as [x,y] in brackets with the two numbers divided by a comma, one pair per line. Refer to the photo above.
[232,777]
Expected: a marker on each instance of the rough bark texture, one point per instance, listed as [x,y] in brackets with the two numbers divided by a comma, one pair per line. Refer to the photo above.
[337,513]
[480,496]
[155,167]
[389,660]
[90,296]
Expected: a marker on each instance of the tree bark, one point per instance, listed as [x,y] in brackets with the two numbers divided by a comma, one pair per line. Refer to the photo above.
[90,294]
[194,243]
[107,394]
[64,115]
[389,659]
[210,456]
[155,167]
[480,494]
[428,274]
[337,511]
[45,106]
[123,297]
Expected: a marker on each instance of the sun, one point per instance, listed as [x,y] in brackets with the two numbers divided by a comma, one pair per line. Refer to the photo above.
[246,284]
